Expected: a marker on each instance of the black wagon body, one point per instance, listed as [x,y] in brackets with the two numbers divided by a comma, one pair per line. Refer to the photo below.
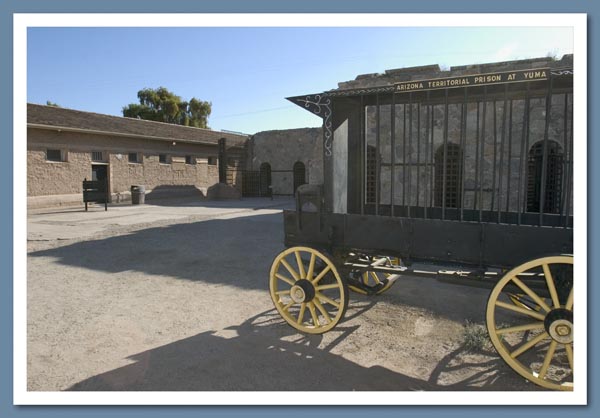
[470,168]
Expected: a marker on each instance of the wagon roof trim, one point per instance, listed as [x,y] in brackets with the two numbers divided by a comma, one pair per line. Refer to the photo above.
[319,103]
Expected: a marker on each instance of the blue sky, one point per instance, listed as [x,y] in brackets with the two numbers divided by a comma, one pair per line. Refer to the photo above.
[247,72]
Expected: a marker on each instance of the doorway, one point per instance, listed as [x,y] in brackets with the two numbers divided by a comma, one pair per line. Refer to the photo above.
[99,172]
[299,174]
[265,180]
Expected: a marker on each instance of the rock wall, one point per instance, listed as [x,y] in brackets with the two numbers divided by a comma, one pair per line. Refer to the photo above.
[282,149]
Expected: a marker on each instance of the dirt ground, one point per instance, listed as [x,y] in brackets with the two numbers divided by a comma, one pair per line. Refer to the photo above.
[175,297]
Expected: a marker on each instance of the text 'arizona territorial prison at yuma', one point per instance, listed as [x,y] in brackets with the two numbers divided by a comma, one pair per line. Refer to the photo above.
[480,79]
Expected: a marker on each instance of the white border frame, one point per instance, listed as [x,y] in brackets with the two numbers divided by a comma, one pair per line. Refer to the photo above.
[22,21]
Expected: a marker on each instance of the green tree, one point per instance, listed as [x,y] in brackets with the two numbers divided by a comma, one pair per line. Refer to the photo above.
[161,105]
[49,103]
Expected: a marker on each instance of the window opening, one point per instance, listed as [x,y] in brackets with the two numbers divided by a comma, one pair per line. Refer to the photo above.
[54,155]
[450,186]
[133,157]
[554,165]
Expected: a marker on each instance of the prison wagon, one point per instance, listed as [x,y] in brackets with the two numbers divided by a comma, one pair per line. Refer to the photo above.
[466,175]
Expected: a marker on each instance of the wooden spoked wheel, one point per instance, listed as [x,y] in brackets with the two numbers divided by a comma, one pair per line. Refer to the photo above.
[371,282]
[530,321]
[307,290]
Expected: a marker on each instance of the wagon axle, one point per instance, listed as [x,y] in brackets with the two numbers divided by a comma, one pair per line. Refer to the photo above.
[303,291]
[559,325]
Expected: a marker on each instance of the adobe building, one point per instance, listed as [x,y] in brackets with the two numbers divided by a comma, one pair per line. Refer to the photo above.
[66,146]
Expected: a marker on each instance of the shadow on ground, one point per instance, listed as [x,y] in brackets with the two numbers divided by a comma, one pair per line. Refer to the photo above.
[454,302]
[164,194]
[239,252]
[235,251]
[191,196]
[265,354]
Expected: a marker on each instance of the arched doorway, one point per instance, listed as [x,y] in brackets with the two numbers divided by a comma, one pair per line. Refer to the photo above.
[553,177]
[299,174]
[265,180]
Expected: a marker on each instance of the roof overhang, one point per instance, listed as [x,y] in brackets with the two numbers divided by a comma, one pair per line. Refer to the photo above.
[118,134]
[318,104]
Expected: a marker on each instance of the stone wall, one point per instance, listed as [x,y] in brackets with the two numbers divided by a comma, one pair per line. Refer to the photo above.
[282,149]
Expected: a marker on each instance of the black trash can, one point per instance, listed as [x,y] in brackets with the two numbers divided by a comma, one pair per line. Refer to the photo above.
[138,195]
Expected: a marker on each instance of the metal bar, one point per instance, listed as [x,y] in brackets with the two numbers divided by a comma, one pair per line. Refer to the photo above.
[410,115]
[565,173]
[418,148]
[463,139]
[426,143]
[476,192]
[510,114]
[431,165]
[404,155]
[526,155]
[563,176]
[363,156]
[482,152]
[545,153]
[502,149]
[393,156]
[570,173]
[445,160]
[524,134]
[494,164]
[377,157]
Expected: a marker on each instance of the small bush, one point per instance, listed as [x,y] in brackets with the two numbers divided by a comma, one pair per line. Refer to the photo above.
[475,337]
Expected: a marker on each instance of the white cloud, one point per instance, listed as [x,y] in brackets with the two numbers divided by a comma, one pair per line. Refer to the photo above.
[506,53]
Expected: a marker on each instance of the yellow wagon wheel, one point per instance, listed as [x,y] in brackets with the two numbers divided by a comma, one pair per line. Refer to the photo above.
[368,280]
[307,290]
[530,321]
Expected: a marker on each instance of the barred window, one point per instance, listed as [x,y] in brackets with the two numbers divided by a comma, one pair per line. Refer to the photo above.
[97,156]
[163,159]
[189,159]
[447,185]
[371,171]
[553,180]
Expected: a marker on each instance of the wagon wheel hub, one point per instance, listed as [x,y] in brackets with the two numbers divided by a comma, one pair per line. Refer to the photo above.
[559,324]
[302,291]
